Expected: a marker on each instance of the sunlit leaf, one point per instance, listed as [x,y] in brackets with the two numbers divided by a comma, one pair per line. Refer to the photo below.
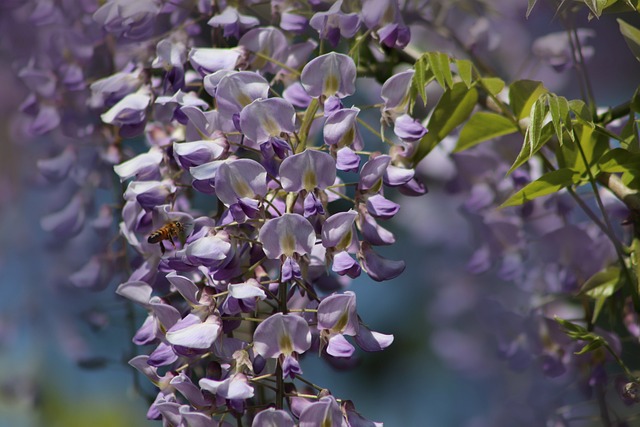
[581,110]
[547,184]
[439,64]
[493,85]
[529,150]
[522,95]
[596,6]
[454,107]
[601,286]
[483,126]
[535,136]
[465,71]
[593,344]
[421,76]
[534,131]
[632,36]
[619,160]
[559,109]
[629,135]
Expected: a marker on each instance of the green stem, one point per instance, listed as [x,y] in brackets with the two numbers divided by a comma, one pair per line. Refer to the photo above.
[307,120]
[633,290]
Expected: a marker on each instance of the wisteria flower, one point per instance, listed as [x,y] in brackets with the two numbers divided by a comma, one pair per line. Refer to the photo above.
[233,22]
[334,23]
[283,335]
[328,75]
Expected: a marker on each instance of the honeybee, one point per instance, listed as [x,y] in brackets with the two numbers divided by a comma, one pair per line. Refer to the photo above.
[166,232]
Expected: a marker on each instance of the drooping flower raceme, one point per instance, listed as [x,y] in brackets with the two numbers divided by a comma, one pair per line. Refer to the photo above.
[228,215]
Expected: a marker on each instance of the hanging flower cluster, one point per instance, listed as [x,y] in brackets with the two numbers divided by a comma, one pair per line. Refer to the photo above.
[253,203]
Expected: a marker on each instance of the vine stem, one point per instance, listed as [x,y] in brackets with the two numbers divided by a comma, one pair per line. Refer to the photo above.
[633,290]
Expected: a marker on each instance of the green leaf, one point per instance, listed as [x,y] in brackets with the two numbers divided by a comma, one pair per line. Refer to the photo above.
[453,108]
[534,131]
[559,109]
[594,144]
[530,7]
[493,85]
[600,283]
[465,71]
[629,135]
[534,138]
[421,76]
[547,184]
[522,95]
[596,6]
[632,180]
[635,101]
[481,127]
[529,150]
[572,329]
[619,160]
[581,111]
[601,286]
[578,332]
[593,344]
[632,36]
[439,64]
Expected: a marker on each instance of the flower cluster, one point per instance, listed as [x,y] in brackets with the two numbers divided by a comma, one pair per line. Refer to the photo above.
[248,187]
[253,202]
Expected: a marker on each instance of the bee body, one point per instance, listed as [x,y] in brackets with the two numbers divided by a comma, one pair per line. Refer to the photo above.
[166,232]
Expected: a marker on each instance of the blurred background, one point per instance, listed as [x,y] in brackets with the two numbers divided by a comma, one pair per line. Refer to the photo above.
[63,350]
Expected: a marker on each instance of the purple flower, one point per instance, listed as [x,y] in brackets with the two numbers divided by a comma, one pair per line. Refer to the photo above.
[324,412]
[337,317]
[270,42]
[380,207]
[341,130]
[283,335]
[210,251]
[338,230]
[265,119]
[57,168]
[143,166]
[149,193]
[555,48]
[240,179]
[408,129]
[328,75]
[272,417]
[372,173]
[347,160]
[196,153]
[287,235]
[378,267]
[233,22]
[395,92]
[308,170]
[235,387]
[385,18]
[130,20]
[191,332]
[129,112]
[344,264]
[236,90]
[66,222]
[170,54]
[109,90]
[297,96]
[334,23]
[209,60]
